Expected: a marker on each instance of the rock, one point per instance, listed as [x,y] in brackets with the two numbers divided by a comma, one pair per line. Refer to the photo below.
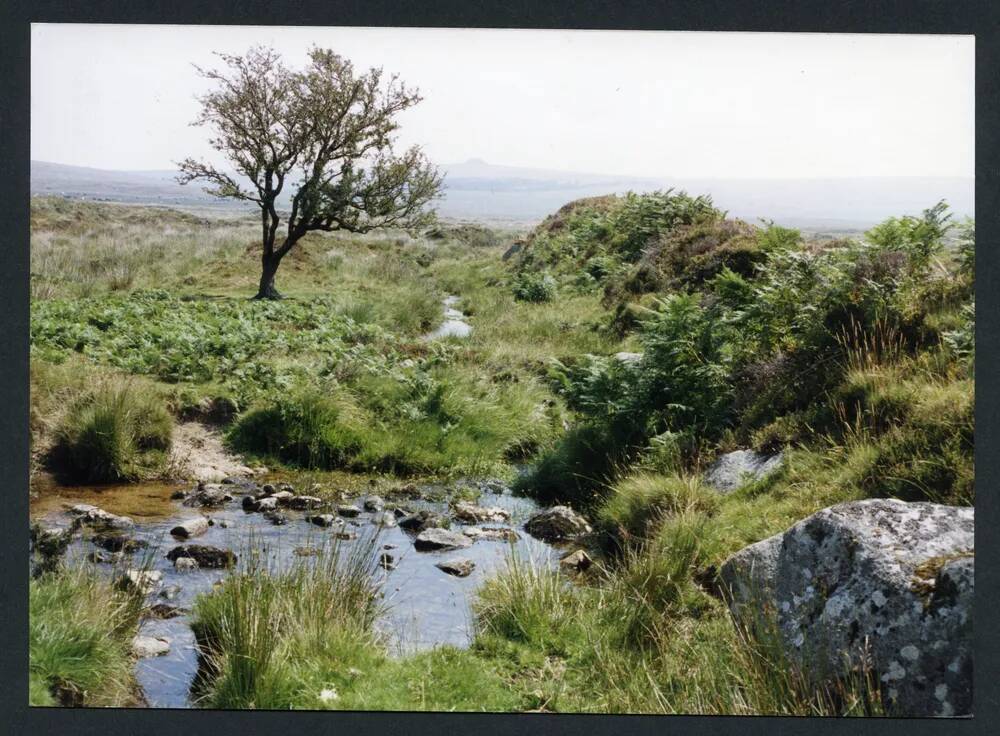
[460,568]
[556,524]
[289,488]
[165,610]
[323,520]
[400,512]
[735,469]
[117,542]
[270,503]
[491,534]
[276,517]
[349,511]
[208,474]
[210,495]
[170,592]
[185,564]
[373,503]
[204,555]
[422,520]
[143,581]
[148,646]
[435,539]
[307,551]
[345,536]
[897,576]
[283,497]
[388,546]
[385,519]
[628,358]
[99,517]
[52,541]
[578,561]
[301,503]
[267,489]
[179,495]
[191,528]
[250,503]
[387,561]
[470,512]
[105,558]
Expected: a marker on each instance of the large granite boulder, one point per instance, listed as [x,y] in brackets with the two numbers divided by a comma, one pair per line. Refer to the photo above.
[892,578]
[557,524]
[733,470]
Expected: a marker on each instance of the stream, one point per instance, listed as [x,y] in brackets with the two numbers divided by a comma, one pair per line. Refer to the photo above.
[425,606]
[454,324]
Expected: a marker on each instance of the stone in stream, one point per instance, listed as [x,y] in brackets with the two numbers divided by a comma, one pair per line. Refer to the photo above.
[422,520]
[385,519]
[185,564]
[440,539]
[190,528]
[893,577]
[170,592]
[165,610]
[211,495]
[373,503]
[267,489]
[324,520]
[302,503]
[270,503]
[307,551]
[470,512]
[349,511]
[204,555]
[52,541]
[460,568]
[283,497]
[276,517]
[387,561]
[491,533]
[149,646]
[734,470]
[578,561]
[117,542]
[346,535]
[143,581]
[105,558]
[557,524]
[99,517]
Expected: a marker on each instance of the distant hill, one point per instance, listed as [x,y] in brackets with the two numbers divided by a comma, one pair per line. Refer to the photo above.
[477,190]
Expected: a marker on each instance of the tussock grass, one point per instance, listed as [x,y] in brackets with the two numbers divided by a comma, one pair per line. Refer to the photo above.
[80,632]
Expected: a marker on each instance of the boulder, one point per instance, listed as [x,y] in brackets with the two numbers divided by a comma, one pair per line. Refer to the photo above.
[386,561]
[149,646]
[346,535]
[191,528]
[385,519]
[422,520]
[460,568]
[628,358]
[268,489]
[893,577]
[283,497]
[204,555]
[302,503]
[323,520]
[373,503]
[142,581]
[270,503]
[438,539]
[557,524]
[491,534]
[349,511]
[51,541]
[210,495]
[735,469]
[117,542]
[276,517]
[185,564]
[473,514]
[578,561]
[88,514]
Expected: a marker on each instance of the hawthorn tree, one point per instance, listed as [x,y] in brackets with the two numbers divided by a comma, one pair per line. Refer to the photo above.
[321,135]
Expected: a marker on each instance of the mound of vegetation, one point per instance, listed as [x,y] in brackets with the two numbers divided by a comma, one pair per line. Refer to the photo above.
[844,342]
[116,431]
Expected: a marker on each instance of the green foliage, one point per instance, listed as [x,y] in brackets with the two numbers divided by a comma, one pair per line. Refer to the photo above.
[534,287]
[114,432]
[920,238]
[79,635]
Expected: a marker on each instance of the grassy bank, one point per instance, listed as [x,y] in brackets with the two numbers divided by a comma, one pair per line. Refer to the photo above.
[79,640]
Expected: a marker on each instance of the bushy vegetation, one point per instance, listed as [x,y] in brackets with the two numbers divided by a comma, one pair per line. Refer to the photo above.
[79,635]
[115,431]
[820,342]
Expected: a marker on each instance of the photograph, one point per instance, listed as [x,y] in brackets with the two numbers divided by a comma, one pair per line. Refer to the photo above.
[501,370]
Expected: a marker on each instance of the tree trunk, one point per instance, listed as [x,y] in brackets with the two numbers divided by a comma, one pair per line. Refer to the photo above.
[269,267]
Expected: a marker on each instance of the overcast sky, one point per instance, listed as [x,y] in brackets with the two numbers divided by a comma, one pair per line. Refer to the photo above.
[663,104]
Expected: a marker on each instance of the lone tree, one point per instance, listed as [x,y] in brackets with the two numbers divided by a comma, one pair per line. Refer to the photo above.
[325,135]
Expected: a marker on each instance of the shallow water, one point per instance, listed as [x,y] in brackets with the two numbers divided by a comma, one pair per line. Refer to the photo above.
[425,606]
[454,324]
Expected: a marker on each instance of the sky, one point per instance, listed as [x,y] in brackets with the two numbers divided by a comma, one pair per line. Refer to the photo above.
[656,104]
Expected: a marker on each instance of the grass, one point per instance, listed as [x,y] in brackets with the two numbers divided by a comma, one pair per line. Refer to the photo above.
[80,632]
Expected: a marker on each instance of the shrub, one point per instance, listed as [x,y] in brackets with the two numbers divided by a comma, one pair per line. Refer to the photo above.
[534,287]
[638,504]
[119,431]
